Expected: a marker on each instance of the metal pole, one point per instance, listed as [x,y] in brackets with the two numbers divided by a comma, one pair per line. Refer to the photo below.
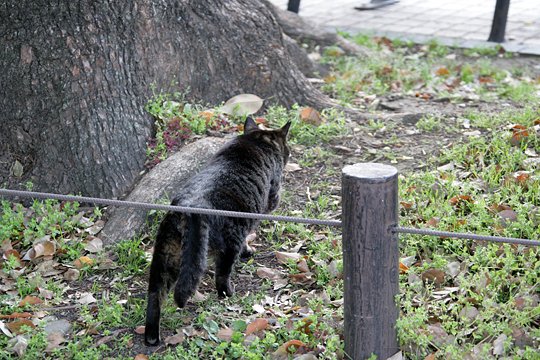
[370,259]
[294,6]
[498,26]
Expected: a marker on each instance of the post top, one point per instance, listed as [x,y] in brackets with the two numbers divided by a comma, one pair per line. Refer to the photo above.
[371,171]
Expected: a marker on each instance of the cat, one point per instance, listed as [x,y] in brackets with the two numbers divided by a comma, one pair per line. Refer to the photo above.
[245,175]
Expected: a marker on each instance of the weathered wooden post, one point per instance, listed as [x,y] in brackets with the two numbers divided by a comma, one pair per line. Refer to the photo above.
[370,259]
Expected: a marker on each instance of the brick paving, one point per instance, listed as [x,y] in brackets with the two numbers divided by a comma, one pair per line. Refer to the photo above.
[463,23]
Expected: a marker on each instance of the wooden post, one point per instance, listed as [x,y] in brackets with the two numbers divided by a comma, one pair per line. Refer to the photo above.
[370,260]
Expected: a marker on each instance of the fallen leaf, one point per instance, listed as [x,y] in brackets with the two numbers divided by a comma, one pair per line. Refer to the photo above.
[498,344]
[311,116]
[17,315]
[87,298]
[17,169]
[140,329]
[71,275]
[141,357]
[292,167]
[30,300]
[83,261]
[5,329]
[285,349]
[459,199]
[243,104]
[302,266]
[435,276]
[94,246]
[44,248]
[406,205]
[267,273]
[302,278]
[258,308]
[519,134]
[507,217]
[225,334]
[17,325]
[430,357]
[403,268]
[285,257]
[53,341]
[256,325]
[174,339]
[442,71]
[18,345]
[13,254]
[439,336]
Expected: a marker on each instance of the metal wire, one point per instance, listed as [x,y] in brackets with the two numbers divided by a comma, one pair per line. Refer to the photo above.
[439,233]
[337,223]
[148,206]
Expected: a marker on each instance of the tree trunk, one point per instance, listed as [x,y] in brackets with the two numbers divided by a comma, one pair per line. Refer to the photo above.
[76,76]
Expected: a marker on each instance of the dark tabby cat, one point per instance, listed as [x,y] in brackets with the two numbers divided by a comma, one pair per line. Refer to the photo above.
[245,175]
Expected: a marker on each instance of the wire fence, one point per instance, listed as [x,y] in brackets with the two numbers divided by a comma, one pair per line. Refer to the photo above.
[268,217]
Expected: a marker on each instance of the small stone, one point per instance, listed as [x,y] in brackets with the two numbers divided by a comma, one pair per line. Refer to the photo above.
[61,326]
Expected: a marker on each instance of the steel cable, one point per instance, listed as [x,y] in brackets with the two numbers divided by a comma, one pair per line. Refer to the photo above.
[192,210]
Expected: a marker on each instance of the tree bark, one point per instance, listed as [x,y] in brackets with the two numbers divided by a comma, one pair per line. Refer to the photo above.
[77,74]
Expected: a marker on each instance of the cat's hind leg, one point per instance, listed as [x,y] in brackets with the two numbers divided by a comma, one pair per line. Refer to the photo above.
[163,273]
[234,241]
[193,264]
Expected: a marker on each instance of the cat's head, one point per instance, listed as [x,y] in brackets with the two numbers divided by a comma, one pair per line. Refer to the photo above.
[277,138]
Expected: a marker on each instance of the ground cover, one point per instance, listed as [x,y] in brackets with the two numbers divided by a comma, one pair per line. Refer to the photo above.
[463,129]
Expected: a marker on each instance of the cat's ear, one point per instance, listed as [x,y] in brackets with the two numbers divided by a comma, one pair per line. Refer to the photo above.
[250,125]
[285,129]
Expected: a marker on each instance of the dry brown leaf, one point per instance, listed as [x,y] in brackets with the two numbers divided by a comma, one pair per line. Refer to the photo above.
[207,115]
[140,329]
[53,341]
[94,246]
[71,275]
[292,167]
[435,276]
[256,325]
[311,116]
[302,266]
[433,222]
[442,71]
[30,300]
[83,261]
[44,248]
[302,278]
[285,257]
[174,339]
[519,134]
[141,357]
[285,349]
[403,268]
[225,334]
[17,315]
[459,199]
[267,273]
[430,357]
[406,205]
[17,325]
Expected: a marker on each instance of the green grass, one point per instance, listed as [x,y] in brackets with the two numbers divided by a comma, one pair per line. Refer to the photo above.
[489,291]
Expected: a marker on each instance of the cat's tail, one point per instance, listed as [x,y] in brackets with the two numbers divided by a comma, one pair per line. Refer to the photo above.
[193,263]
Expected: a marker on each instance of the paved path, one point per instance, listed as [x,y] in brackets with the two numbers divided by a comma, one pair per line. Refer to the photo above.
[465,23]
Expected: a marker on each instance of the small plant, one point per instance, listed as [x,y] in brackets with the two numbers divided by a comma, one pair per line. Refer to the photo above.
[429,123]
